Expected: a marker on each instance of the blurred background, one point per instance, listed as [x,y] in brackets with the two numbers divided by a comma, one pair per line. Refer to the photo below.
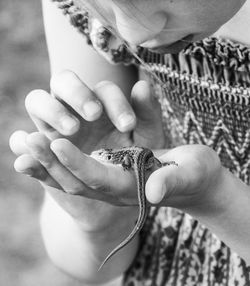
[23,66]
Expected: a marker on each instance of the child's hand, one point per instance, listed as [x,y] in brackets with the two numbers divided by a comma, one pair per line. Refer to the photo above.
[77,173]
[210,193]
[98,118]
[195,185]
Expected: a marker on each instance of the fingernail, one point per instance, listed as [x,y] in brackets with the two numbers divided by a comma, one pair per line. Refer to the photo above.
[59,153]
[126,120]
[69,123]
[91,109]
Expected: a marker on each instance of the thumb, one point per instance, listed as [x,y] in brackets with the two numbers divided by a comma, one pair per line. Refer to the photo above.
[148,113]
[162,184]
[191,182]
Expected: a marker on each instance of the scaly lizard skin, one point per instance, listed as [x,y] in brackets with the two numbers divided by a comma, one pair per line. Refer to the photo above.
[140,160]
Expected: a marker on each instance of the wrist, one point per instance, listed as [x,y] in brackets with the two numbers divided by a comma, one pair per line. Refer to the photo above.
[225,201]
[214,200]
[79,252]
[113,231]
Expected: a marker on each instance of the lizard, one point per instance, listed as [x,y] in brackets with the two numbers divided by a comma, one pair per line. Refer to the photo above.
[140,160]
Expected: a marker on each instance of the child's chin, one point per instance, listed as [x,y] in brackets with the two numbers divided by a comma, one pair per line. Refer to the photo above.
[171,49]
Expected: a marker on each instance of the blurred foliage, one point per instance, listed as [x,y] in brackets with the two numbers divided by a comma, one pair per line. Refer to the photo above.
[23,66]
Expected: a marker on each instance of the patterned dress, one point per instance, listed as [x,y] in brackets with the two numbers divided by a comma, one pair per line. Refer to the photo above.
[204,92]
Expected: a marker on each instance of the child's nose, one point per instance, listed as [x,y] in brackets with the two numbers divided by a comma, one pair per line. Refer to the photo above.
[138,30]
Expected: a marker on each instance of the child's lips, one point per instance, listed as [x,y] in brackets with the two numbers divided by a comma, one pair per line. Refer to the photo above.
[172,48]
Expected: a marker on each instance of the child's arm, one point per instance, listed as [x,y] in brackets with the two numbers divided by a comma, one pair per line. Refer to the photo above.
[68,50]
[198,185]
[79,232]
[202,187]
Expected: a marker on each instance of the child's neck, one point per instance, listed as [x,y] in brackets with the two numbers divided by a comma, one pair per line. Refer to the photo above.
[238,27]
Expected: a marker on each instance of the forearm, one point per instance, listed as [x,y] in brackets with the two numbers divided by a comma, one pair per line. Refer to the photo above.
[201,186]
[68,50]
[81,253]
[229,215]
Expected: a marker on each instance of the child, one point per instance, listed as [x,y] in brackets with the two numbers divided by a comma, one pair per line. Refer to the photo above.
[203,91]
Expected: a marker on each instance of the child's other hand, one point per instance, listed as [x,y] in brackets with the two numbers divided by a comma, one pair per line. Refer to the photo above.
[98,118]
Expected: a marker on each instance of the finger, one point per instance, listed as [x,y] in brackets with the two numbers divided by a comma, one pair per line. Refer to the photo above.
[26,164]
[69,88]
[49,114]
[116,105]
[145,103]
[148,113]
[95,174]
[162,183]
[39,147]
[17,142]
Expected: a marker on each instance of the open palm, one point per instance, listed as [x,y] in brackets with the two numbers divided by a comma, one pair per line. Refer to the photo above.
[100,132]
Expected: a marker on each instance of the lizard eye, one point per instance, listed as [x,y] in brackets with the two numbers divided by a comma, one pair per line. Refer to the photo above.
[109,157]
